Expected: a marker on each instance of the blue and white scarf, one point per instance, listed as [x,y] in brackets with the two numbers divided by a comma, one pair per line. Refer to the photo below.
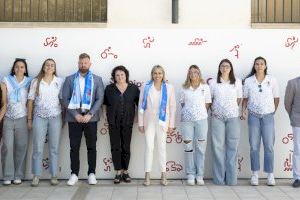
[15,95]
[163,102]
[85,103]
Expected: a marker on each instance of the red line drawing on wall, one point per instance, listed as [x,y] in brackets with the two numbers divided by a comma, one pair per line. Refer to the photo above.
[236,50]
[173,166]
[288,138]
[45,163]
[197,42]
[147,41]
[174,136]
[240,160]
[51,41]
[107,53]
[107,162]
[291,41]
[288,165]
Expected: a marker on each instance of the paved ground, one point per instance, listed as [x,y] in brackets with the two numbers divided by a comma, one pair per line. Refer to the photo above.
[176,190]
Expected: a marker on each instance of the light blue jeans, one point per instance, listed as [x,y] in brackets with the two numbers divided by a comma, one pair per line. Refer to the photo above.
[261,128]
[194,136]
[40,128]
[225,142]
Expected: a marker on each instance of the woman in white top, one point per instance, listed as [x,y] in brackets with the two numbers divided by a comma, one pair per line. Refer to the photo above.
[195,99]
[226,93]
[14,114]
[44,100]
[261,99]
[157,107]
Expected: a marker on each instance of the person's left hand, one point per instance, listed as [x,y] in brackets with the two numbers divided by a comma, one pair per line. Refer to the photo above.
[86,118]
[170,130]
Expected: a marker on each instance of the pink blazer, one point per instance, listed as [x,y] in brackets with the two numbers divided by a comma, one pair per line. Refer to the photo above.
[144,117]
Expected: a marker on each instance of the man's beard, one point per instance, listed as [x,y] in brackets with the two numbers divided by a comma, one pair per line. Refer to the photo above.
[83,71]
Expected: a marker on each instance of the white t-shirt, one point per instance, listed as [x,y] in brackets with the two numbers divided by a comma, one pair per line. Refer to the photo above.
[261,96]
[156,99]
[225,95]
[47,104]
[193,101]
[19,109]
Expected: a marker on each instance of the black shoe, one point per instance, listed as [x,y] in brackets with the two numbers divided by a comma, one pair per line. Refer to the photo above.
[117,179]
[126,178]
[296,183]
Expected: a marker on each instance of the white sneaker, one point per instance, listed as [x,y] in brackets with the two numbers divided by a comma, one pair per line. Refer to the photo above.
[254,180]
[190,181]
[271,180]
[92,179]
[73,179]
[17,181]
[199,180]
[6,182]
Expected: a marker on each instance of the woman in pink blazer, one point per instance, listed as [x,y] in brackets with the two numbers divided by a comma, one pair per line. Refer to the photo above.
[157,107]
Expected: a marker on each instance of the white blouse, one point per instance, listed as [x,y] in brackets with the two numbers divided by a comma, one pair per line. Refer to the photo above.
[193,102]
[225,95]
[47,104]
[19,109]
[261,95]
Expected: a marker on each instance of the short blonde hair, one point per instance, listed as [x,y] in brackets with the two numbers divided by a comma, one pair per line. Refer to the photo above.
[155,67]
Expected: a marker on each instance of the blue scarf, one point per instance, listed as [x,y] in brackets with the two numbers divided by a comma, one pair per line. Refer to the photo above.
[86,101]
[15,95]
[163,103]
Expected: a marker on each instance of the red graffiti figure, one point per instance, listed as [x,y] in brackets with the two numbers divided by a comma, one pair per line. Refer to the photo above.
[107,162]
[104,130]
[291,41]
[107,53]
[147,41]
[45,163]
[173,166]
[137,83]
[235,48]
[197,42]
[51,42]
[288,138]
[174,136]
[287,165]
[240,160]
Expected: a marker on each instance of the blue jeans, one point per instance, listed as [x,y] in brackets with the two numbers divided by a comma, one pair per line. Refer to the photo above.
[261,128]
[40,128]
[225,142]
[194,136]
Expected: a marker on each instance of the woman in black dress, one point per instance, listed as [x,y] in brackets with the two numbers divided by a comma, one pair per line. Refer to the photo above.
[120,99]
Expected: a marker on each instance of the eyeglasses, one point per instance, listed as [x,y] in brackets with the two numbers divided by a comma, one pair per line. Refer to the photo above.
[259,86]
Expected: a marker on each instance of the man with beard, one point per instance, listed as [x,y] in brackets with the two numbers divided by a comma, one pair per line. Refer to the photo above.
[82,96]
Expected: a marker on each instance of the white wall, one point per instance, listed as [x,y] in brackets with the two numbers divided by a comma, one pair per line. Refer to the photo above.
[170,49]
[192,13]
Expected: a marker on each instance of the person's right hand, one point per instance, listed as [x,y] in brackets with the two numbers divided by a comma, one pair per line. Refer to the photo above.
[29,124]
[142,129]
[78,118]
[243,115]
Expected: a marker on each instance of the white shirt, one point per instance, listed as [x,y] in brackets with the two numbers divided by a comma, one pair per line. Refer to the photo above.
[81,85]
[225,95]
[193,101]
[19,109]
[47,104]
[261,102]
[156,99]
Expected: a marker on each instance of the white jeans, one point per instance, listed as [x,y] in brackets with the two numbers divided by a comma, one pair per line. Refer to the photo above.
[154,129]
[296,153]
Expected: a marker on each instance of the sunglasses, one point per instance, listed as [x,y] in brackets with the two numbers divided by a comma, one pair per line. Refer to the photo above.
[259,86]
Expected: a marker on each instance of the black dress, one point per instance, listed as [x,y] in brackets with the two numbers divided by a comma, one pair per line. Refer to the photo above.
[120,114]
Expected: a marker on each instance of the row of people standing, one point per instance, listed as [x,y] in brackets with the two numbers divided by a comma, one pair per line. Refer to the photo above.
[82,95]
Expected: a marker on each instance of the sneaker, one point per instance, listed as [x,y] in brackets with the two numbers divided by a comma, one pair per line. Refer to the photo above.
[72,180]
[126,178]
[117,179]
[6,182]
[254,180]
[92,179]
[199,180]
[296,183]
[54,180]
[190,181]
[17,181]
[35,181]
[271,180]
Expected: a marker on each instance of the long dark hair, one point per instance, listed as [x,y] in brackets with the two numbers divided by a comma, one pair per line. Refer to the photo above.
[253,71]
[12,71]
[231,73]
